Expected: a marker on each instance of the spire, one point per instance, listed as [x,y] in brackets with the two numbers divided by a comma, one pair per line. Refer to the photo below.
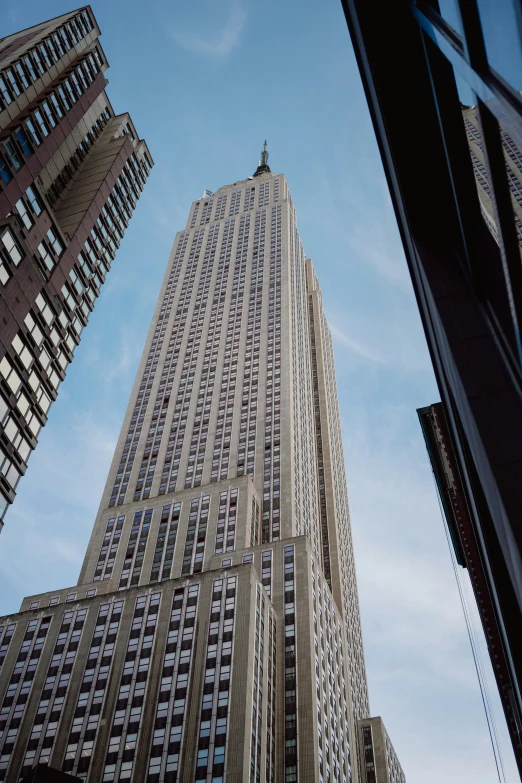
[263,167]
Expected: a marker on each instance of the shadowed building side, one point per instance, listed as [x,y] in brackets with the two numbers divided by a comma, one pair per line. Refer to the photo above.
[71,173]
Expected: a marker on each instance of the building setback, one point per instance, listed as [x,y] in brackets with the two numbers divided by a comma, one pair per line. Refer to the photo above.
[214,632]
[70,175]
[379,760]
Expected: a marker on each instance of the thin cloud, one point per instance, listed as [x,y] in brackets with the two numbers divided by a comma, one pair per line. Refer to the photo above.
[219,45]
[356,347]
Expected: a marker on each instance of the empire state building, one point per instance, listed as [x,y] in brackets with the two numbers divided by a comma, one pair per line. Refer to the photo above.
[214,634]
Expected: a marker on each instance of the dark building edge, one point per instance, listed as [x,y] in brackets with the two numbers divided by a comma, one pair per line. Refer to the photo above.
[414,106]
[455,504]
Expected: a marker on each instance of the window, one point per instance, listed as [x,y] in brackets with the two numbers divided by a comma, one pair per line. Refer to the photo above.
[55,241]
[33,131]
[34,605]
[8,470]
[11,247]
[10,375]
[71,597]
[54,600]
[41,124]
[34,200]
[33,329]
[49,114]
[5,92]
[23,352]
[226,563]
[5,172]
[24,213]
[46,256]
[91,593]
[12,155]
[13,82]
[25,144]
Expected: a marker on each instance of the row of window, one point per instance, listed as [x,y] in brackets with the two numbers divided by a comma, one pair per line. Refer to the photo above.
[54,691]
[140,406]
[221,452]
[41,121]
[208,213]
[133,562]
[79,155]
[165,542]
[323,516]
[19,76]
[270,526]
[248,426]
[226,523]
[356,666]
[93,690]
[181,405]
[331,694]
[171,710]
[19,688]
[196,535]
[128,714]
[206,389]
[291,749]
[305,476]
[214,715]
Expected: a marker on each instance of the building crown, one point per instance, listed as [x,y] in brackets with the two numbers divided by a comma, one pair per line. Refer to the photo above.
[263,167]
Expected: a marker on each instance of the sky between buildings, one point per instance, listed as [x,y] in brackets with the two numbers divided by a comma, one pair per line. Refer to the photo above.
[206,82]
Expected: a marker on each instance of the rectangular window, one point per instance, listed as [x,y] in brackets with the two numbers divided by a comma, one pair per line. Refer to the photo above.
[12,155]
[25,144]
[5,91]
[41,123]
[46,256]
[24,214]
[5,171]
[33,132]
[11,247]
[34,200]
[55,242]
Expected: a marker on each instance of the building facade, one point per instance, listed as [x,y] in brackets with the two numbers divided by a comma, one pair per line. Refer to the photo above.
[459,65]
[71,173]
[214,633]
[379,760]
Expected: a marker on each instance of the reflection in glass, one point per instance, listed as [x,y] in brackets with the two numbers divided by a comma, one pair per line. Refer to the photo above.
[513,160]
[501,28]
[449,10]
[493,272]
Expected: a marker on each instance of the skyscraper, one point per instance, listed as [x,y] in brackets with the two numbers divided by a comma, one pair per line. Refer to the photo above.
[70,175]
[214,633]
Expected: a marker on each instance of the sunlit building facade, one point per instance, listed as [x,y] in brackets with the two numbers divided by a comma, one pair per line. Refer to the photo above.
[71,173]
[214,633]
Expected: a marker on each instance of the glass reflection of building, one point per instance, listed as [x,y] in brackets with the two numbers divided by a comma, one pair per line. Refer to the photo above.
[513,159]
[442,83]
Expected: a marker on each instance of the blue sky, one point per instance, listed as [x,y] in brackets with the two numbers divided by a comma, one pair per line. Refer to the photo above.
[205,83]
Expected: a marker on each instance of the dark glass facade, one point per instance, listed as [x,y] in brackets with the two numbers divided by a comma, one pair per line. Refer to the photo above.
[70,175]
[443,86]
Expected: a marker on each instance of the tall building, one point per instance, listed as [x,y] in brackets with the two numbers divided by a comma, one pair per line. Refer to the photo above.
[214,633]
[462,246]
[70,175]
